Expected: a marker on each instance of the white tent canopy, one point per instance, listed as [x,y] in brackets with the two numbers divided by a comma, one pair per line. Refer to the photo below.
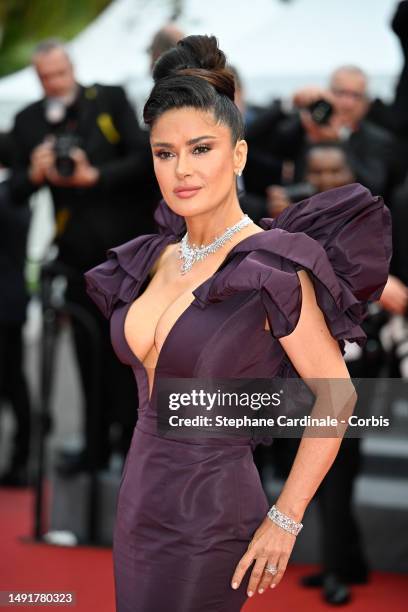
[276,46]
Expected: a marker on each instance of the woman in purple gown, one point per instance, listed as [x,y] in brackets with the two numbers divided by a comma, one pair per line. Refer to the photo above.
[193,531]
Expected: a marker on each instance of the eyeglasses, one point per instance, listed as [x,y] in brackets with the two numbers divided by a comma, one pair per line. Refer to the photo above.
[348,93]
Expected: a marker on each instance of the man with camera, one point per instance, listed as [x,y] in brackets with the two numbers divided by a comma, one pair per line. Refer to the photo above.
[85,144]
[338,114]
[281,136]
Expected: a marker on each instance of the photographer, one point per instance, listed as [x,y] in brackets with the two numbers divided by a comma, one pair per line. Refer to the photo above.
[86,145]
[282,135]
[338,114]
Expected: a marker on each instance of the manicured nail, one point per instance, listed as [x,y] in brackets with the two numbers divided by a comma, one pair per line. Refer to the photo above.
[235,585]
[250,593]
[273,586]
[260,591]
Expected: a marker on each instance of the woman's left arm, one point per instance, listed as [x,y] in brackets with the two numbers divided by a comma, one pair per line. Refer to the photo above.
[315,354]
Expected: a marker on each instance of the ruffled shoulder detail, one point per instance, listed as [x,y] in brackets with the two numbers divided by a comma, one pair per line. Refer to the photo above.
[342,237]
[119,278]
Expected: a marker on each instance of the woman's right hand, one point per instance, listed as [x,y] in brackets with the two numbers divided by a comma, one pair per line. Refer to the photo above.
[270,545]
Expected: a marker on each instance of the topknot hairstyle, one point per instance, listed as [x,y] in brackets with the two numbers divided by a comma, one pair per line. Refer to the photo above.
[194,74]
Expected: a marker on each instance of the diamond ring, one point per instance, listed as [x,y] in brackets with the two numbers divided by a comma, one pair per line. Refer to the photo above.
[272,569]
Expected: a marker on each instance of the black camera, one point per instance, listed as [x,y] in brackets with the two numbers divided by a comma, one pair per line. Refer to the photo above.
[321,110]
[64,144]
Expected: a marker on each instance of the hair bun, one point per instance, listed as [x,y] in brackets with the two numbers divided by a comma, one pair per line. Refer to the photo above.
[199,56]
[204,52]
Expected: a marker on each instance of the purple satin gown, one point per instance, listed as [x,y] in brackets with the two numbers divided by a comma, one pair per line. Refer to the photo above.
[187,509]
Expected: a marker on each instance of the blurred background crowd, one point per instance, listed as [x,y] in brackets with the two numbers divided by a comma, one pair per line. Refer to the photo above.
[84,146]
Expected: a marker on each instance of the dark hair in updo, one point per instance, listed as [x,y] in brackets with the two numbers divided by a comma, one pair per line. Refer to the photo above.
[194,74]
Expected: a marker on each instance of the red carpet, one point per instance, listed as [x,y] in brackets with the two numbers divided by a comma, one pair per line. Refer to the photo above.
[28,566]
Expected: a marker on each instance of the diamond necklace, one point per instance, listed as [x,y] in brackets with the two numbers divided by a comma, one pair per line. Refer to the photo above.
[191,254]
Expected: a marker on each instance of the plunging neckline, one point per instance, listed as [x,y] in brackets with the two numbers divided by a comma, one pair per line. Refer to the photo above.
[179,318]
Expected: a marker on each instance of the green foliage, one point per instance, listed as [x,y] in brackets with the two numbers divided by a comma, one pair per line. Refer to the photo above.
[24,23]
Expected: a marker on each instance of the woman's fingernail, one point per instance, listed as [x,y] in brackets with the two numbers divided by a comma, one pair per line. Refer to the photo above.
[260,591]
[250,593]
[273,586]
[235,585]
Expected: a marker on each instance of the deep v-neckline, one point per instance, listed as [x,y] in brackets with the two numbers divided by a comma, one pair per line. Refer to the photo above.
[163,348]
[179,318]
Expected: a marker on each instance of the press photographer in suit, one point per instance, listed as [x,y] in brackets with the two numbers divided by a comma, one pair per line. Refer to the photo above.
[86,145]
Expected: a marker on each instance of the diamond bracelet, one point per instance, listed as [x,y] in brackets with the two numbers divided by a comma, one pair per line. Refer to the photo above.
[284,521]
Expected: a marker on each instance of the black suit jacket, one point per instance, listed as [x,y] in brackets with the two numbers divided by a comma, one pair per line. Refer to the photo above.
[14,223]
[120,206]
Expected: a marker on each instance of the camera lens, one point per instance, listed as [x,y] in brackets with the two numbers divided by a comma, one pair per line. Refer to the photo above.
[321,111]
